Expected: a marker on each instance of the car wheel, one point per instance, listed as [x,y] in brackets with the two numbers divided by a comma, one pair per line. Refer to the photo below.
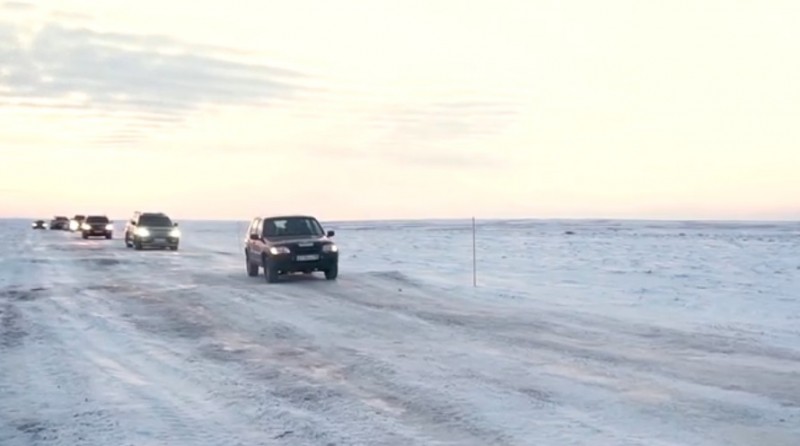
[332,272]
[252,268]
[84,236]
[270,272]
[137,245]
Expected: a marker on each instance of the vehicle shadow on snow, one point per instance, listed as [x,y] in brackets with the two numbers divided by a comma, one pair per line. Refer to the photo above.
[288,279]
[387,277]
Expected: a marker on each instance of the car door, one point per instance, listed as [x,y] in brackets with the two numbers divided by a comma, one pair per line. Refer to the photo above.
[130,227]
[253,248]
[248,241]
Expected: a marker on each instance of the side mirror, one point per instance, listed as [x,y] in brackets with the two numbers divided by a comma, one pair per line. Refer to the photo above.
[175,224]
[133,223]
[254,236]
[331,233]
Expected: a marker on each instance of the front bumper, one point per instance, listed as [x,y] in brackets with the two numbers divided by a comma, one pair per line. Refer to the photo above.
[96,232]
[155,241]
[288,263]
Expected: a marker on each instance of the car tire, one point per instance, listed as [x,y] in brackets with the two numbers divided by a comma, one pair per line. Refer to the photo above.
[109,236]
[270,272]
[252,268]
[332,273]
[84,236]
[128,243]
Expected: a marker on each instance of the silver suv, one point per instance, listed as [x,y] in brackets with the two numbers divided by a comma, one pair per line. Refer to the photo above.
[152,230]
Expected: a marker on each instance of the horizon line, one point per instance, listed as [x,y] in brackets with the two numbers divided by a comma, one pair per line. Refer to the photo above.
[493,219]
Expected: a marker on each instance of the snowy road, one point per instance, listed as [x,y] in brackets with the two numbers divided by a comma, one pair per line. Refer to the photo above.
[101,345]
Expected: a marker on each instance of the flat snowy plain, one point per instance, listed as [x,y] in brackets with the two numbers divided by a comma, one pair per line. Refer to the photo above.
[623,333]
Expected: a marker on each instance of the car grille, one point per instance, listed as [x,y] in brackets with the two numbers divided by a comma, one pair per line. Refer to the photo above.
[159,232]
[297,249]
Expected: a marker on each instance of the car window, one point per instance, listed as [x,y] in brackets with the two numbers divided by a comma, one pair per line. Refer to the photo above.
[291,227]
[96,219]
[154,220]
[253,229]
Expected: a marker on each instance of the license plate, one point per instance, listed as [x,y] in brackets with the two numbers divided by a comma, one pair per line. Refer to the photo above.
[160,240]
[307,257]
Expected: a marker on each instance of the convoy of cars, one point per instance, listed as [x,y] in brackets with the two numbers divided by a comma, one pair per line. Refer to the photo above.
[277,245]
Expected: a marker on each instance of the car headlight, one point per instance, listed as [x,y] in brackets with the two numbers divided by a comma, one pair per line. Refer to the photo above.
[275,250]
[175,233]
[142,232]
[109,227]
[330,247]
[85,227]
[73,225]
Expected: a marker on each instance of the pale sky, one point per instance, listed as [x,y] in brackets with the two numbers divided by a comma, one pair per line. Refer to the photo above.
[401,109]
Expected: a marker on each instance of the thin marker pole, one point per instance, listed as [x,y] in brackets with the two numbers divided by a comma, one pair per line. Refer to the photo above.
[474,257]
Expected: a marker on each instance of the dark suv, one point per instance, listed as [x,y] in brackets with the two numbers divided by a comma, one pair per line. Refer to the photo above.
[76,223]
[152,230]
[97,226]
[287,244]
[60,223]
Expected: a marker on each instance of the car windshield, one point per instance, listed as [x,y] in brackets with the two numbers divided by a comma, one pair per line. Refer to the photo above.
[62,218]
[96,219]
[154,220]
[291,227]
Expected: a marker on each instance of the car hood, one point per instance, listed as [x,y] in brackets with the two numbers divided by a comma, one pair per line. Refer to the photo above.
[291,240]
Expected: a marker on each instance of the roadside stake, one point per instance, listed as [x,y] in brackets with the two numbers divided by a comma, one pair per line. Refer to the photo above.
[474,257]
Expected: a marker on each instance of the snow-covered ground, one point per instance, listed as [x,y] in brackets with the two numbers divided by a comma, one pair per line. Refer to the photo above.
[621,333]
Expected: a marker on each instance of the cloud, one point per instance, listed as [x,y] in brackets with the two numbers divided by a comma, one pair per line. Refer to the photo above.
[18,6]
[70,16]
[444,120]
[152,76]
[444,133]
[450,159]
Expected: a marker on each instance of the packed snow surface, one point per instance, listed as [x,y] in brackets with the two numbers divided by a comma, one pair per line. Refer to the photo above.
[579,333]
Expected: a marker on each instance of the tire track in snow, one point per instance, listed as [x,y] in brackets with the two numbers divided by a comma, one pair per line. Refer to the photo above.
[373,359]
[107,312]
[634,375]
[432,408]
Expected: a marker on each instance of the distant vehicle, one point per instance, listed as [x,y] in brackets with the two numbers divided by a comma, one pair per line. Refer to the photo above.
[289,244]
[60,223]
[39,224]
[97,226]
[76,222]
[152,230]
